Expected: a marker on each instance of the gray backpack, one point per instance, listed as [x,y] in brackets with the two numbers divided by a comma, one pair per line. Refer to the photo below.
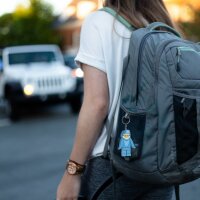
[157,138]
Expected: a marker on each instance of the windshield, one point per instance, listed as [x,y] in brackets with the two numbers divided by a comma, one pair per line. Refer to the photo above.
[31,57]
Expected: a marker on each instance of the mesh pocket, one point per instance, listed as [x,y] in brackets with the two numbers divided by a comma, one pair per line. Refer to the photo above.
[185,113]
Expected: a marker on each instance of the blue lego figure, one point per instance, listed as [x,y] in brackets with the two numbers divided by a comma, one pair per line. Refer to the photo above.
[126,144]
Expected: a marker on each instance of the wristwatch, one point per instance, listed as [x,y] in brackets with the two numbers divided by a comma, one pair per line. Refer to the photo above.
[74,168]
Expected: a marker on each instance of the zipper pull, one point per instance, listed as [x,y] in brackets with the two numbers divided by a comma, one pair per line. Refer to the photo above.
[126,115]
[182,100]
[184,107]
[187,106]
[179,55]
[185,110]
[178,60]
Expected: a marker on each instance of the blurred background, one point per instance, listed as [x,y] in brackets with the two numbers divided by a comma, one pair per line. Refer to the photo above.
[41,90]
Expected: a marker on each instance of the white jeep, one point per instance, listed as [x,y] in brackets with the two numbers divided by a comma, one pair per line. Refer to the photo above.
[36,73]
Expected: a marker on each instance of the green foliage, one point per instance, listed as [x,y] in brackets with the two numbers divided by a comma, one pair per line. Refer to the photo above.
[192,29]
[32,25]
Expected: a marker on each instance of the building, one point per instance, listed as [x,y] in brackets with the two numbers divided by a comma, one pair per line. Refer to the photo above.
[69,23]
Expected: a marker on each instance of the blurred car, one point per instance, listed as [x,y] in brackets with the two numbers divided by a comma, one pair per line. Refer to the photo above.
[69,61]
[76,72]
[34,74]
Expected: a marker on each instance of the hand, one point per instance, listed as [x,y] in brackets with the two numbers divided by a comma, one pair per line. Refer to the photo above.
[69,187]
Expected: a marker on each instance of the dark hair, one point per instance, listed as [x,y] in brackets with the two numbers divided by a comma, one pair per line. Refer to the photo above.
[135,10]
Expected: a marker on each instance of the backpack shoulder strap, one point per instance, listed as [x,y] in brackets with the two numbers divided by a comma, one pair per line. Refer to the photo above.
[153,26]
[118,17]
[109,123]
[177,192]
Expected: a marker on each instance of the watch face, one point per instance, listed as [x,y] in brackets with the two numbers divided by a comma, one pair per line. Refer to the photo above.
[71,168]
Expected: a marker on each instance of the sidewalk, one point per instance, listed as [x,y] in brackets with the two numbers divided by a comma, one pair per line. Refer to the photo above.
[190,191]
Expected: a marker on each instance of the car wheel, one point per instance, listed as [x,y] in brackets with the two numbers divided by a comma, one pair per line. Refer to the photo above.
[11,110]
[76,104]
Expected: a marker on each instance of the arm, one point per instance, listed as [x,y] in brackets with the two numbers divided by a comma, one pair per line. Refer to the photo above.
[132,144]
[92,115]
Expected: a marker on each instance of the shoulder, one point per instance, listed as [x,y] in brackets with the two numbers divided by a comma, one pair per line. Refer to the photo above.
[98,19]
[99,16]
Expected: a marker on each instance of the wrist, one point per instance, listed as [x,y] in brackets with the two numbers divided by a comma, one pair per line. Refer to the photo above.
[74,168]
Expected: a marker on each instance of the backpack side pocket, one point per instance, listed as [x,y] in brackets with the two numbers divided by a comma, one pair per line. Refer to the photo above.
[128,140]
[186,127]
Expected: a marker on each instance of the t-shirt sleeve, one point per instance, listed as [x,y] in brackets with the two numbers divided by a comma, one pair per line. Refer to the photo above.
[91,49]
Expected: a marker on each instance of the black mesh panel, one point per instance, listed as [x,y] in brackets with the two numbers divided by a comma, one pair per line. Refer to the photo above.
[186,128]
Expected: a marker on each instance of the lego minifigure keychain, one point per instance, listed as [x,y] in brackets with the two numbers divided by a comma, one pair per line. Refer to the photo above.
[126,143]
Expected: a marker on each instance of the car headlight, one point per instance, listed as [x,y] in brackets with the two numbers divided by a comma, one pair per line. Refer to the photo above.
[77,73]
[28,90]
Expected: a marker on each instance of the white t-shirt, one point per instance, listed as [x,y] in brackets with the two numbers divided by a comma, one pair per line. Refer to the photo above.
[101,47]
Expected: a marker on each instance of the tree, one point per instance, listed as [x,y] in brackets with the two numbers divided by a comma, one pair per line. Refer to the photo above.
[5,27]
[192,28]
[32,25]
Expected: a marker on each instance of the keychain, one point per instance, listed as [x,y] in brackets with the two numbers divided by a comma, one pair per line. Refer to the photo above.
[126,143]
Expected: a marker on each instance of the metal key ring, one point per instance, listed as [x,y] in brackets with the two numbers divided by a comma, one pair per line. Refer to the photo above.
[127,118]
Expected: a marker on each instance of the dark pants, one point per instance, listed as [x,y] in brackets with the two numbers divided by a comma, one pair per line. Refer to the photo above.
[97,184]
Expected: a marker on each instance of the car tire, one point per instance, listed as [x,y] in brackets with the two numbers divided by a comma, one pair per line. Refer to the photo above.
[76,104]
[11,110]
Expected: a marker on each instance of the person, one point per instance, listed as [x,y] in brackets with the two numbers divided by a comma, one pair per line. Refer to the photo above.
[104,43]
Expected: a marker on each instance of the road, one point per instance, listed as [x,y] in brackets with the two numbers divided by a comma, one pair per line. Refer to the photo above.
[34,151]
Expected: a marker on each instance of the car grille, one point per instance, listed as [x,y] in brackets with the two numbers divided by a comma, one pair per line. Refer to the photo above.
[48,83]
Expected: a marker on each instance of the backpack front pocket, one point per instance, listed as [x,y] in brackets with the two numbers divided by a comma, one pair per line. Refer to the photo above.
[186,118]
[188,60]
[183,65]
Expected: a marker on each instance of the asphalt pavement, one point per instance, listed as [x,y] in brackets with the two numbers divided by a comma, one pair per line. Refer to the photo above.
[33,153]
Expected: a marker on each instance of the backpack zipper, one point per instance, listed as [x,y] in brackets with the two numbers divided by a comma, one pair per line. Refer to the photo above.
[139,60]
[187,49]
[179,55]
[179,49]
[127,112]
